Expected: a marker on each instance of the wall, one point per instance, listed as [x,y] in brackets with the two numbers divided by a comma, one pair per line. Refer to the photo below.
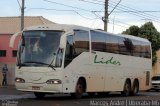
[9,59]
[156,67]
[4,45]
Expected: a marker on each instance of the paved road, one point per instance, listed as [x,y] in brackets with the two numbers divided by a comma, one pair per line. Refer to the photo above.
[11,97]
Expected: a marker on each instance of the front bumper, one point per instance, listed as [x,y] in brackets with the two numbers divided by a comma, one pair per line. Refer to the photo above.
[155,87]
[43,87]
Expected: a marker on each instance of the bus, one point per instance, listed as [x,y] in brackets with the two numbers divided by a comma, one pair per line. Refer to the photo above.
[72,59]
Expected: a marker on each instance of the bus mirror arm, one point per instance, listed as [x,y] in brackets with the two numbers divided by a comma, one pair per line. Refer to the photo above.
[63,39]
[62,43]
[12,39]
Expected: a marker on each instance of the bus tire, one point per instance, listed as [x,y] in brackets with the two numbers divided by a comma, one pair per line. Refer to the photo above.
[79,90]
[127,88]
[39,95]
[135,88]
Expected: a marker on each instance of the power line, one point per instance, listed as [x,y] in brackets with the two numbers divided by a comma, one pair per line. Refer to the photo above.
[72,7]
[67,5]
[62,11]
[19,3]
[111,4]
[115,7]
[100,17]
[92,2]
[126,8]
[153,11]
[132,11]
[142,15]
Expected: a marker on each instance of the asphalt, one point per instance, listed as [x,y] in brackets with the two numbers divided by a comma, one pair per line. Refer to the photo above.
[10,93]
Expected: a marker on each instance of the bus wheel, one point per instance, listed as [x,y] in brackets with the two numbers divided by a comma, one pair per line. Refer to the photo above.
[135,88]
[127,88]
[80,89]
[39,95]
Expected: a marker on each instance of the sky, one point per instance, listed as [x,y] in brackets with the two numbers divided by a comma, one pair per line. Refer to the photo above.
[88,13]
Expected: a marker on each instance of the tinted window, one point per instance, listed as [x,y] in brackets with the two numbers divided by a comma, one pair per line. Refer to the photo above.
[113,44]
[141,49]
[69,50]
[81,42]
[98,41]
[137,48]
[156,78]
[122,47]
[145,50]
[106,42]
[14,53]
[2,53]
[126,46]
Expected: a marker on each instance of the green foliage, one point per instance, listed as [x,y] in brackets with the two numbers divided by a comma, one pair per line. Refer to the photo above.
[133,30]
[149,32]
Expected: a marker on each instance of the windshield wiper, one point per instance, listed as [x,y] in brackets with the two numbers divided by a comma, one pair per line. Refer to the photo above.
[49,65]
[20,65]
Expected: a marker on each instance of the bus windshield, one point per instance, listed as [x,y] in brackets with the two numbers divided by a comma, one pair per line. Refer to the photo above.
[39,48]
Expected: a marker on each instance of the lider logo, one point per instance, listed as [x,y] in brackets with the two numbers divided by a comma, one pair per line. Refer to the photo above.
[108,61]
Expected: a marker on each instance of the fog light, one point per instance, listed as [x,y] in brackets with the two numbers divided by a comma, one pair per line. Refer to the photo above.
[19,80]
[54,81]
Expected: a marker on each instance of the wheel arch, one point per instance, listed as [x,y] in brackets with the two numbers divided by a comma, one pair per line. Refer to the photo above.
[83,79]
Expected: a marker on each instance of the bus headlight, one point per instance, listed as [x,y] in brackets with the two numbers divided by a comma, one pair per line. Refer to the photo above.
[19,80]
[54,81]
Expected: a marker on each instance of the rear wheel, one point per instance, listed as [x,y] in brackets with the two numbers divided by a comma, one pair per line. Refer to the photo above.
[135,88]
[127,88]
[80,89]
[39,95]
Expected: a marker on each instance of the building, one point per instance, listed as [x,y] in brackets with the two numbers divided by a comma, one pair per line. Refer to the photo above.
[8,27]
[156,67]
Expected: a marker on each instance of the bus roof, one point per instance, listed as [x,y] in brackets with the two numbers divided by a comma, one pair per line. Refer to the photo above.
[66,28]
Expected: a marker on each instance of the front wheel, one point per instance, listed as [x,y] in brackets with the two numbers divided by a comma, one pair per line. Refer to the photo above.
[80,89]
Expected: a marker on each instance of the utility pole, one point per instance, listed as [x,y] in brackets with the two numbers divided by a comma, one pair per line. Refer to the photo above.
[105,20]
[22,15]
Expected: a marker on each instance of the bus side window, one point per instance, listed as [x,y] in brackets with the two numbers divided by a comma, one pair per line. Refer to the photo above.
[81,42]
[137,48]
[128,46]
[69,50]
[98,41]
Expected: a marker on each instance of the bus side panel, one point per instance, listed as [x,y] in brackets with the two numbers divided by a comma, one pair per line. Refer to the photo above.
[82,66]
[117,68]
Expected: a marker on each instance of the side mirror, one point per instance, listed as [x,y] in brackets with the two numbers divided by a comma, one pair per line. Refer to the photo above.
[12,39]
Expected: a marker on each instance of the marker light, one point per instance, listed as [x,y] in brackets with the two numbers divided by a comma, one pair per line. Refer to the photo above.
[54,81]
[19,80]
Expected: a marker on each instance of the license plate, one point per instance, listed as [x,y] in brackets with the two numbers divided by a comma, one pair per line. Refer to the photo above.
[35,88]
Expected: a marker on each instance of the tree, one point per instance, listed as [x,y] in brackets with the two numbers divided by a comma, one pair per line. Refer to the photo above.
[133,30]
[149,32]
